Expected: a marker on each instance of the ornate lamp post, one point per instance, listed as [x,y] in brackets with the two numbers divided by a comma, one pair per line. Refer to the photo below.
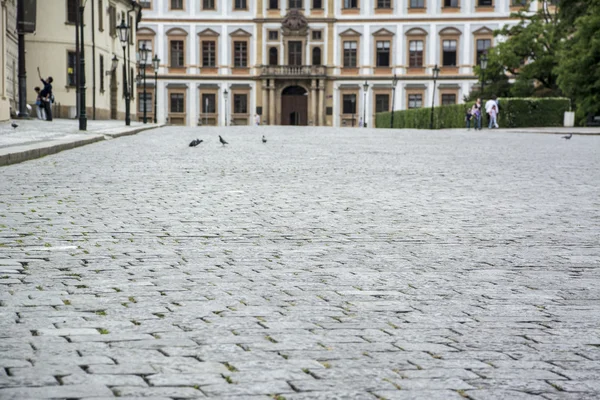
[436,73]
[225,95]
[394,84]
[123,30]
[155,64]
[365,89]
[143,63]
[483,63]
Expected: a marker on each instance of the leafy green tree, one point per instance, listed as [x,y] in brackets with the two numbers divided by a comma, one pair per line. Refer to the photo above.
[579,67]
[529,50]
[496,81]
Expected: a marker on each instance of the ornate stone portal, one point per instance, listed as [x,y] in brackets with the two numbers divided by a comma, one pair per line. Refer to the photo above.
[282,84]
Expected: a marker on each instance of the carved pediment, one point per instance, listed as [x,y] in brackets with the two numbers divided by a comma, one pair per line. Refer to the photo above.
[416,32]
[176,32]
[383,32]
[350,32]
[450,32]
[240,33]
[294,23]
[483,31]
[208,32]
[145,32]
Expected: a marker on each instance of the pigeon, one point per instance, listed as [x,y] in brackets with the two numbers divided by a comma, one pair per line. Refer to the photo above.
[264,139]
[195,142]
[568,137]
[14,125]
[223,142]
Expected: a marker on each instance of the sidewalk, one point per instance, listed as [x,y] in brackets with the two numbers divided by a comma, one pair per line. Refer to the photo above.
[34,138]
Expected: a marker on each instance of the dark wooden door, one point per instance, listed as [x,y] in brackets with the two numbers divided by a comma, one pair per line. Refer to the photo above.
[294,106]
[114,92]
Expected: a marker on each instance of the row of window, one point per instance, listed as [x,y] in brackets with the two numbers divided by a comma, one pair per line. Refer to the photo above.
[382,102]
[240,102]
[242,5]
[416,49]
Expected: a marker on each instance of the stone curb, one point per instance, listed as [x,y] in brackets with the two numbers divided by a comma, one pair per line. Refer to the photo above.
[132,132]
[46,149]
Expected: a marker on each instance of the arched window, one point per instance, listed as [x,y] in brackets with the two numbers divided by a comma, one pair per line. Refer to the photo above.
[273,56]
[316,56]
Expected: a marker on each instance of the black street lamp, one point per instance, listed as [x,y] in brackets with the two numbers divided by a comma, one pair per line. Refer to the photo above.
[436,73]
[156,64]
[225,96]
[81,75]
[365,89]
[123,38]
[483,63]
[143,52]
[353,101]
[21,12]
[394,84]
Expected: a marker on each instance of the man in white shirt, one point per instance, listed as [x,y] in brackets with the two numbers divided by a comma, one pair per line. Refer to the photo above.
[491,104]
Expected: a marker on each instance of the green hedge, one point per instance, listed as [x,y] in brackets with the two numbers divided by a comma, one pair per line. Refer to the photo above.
[533,112]
[514,113]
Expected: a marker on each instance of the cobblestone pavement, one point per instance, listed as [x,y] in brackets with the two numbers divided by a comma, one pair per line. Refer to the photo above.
[324,264]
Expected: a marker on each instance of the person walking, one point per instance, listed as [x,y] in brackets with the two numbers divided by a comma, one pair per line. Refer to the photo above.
[46,95]
[493,114]
[478,114]
[488,108]
[39,107]
[469,116]
[256,119]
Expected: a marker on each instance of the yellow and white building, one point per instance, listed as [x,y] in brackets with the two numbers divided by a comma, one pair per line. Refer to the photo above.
[306,62]
[52,50]
[8,58]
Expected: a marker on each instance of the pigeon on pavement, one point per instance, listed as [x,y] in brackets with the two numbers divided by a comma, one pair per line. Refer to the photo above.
[14,125]
[195,142]
[568,137]
[264,139]
[223,142]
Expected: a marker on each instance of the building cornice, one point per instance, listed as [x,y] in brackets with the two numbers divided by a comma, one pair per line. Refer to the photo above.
[443,19]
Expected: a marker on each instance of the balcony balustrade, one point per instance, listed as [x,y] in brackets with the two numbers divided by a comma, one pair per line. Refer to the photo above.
[295,71]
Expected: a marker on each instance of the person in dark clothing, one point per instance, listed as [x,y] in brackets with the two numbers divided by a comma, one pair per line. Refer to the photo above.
[46,96]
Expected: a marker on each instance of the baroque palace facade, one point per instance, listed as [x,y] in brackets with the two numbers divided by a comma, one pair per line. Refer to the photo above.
[312,62]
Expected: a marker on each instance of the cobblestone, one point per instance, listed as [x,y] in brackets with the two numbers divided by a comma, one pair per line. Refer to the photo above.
[324,264]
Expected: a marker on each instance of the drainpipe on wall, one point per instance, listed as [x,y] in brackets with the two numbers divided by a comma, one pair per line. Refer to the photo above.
[94,60]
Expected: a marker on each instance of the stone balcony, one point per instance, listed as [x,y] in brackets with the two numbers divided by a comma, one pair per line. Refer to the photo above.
[293,71]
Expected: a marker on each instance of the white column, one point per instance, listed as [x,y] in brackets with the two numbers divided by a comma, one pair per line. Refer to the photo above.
[434,46]
[367,50]
[321,111]
[313,103]
[265,103]
[161,102]
[224,43]
[192,107]
[467,53]
[192,50]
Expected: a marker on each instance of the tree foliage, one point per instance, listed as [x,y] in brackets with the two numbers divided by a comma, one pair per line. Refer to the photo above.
[579,66]
[529,50]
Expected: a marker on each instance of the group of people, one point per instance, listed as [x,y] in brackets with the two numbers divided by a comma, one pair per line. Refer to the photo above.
[475,114]
[44,99]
